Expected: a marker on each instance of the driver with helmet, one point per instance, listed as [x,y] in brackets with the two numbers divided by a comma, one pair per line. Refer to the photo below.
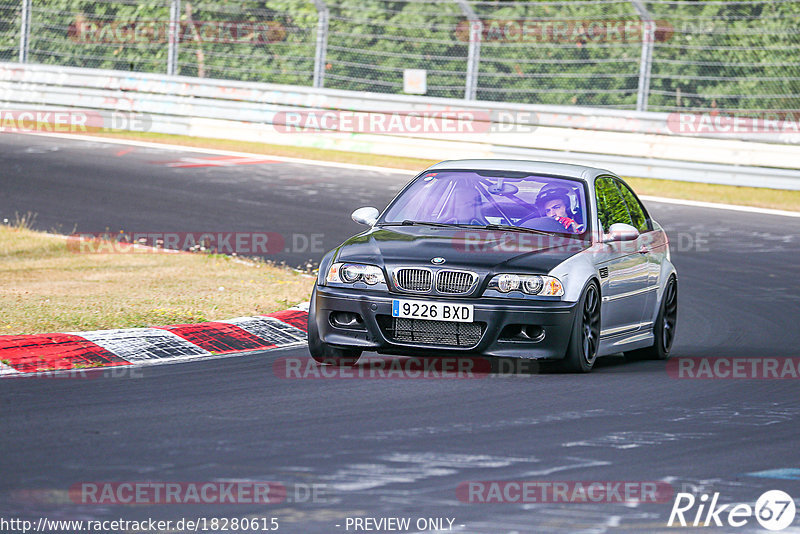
[553,203]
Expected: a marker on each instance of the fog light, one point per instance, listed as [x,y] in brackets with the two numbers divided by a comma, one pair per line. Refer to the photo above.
[526,333]
[532,332]
[347,320]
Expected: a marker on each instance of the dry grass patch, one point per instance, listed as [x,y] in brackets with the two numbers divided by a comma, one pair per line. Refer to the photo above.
[48,288]
[759,197]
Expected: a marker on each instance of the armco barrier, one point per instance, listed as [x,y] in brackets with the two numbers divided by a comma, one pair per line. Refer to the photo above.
[630,143]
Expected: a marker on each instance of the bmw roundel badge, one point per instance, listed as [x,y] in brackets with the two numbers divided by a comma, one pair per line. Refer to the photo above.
[438,260]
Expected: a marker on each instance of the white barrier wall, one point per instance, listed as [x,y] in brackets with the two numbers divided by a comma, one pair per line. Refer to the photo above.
[630,143]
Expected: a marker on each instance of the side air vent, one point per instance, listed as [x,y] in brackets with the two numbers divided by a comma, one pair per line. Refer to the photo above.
[604,272]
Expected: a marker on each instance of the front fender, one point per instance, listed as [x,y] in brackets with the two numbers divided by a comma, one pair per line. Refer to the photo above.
[575,272]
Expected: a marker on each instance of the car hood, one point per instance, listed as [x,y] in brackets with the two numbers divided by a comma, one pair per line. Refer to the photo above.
[485,250]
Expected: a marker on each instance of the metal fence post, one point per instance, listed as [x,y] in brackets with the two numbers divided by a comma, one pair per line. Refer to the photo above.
[25,31]
[646,61]
[322,43]
[174,37]
[474,50]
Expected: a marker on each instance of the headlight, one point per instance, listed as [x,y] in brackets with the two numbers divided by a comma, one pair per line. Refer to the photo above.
[350,273]
[545,286]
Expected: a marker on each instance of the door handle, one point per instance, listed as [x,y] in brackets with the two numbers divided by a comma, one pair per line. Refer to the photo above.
[644,250]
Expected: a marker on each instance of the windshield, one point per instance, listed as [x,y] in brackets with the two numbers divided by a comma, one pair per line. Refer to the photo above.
[485,198]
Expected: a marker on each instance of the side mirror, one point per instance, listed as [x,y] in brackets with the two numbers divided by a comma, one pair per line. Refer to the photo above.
[621,232]
[368,216]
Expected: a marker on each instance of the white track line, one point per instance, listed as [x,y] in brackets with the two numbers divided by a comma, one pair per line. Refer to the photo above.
[716,206]
[387,170]
[179,148]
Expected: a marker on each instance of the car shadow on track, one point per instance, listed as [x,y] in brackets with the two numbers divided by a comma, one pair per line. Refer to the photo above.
[385,366]
[515,366]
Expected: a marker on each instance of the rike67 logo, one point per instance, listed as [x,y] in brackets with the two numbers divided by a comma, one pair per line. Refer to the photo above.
[774,510]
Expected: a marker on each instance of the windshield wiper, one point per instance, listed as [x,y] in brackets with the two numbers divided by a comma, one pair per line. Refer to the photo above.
[409,222]
[510,228]
[507,227]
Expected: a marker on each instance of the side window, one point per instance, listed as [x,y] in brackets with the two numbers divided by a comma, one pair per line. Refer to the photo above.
[611,207]
[635,208]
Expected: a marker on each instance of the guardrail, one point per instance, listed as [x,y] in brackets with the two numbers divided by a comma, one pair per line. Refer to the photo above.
[631,143]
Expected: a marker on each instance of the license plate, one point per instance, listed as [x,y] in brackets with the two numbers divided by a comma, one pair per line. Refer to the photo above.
[432,311]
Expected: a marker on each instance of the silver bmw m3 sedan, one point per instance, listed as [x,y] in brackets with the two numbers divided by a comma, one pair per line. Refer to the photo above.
[503,258]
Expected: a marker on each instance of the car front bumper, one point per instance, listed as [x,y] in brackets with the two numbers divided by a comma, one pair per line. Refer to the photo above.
[553,318]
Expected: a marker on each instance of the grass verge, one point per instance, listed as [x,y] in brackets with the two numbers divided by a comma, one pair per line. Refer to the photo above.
[726,194]
[49,288]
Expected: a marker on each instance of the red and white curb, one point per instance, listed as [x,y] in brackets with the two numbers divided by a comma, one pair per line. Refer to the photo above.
[39,353]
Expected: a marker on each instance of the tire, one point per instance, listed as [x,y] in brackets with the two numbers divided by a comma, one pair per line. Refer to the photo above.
[664,329]
[322,352]
[585,337]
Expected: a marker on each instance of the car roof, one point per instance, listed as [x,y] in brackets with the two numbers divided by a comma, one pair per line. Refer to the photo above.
[543,167]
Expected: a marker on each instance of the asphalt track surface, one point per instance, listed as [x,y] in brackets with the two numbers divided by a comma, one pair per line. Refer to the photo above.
[397,448]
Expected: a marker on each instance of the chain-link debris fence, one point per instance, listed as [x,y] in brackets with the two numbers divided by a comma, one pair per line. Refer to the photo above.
[655,55]
[734,55]
[248,40]
[10,21]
